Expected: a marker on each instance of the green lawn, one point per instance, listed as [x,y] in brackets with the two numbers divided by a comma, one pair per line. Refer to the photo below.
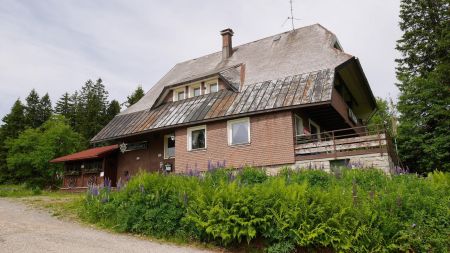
[61,204]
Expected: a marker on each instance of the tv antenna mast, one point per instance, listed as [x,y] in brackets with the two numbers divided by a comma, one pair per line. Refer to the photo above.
[292,18]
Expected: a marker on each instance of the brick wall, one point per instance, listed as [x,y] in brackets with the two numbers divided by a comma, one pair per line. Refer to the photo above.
[147,159]
[271,144]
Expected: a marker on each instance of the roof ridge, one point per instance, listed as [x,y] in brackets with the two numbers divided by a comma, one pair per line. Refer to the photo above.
[251,42]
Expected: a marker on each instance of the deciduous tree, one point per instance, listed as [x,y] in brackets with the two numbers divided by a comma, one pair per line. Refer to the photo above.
[30,153]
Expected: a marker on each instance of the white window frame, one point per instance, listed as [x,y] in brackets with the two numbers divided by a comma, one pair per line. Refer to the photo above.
[230,134]
[189,137]
[209,83]
[317,126]
[176,91]
[192,87]
[166,146]
[296,117]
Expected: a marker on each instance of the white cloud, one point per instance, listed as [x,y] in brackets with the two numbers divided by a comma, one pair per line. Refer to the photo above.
[55,46]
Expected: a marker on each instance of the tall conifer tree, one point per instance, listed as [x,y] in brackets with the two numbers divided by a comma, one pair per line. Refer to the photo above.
[135,96]
[14,124]
[32,109]
[423,72]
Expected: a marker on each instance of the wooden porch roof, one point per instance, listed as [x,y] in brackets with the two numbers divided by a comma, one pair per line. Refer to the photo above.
[92,153]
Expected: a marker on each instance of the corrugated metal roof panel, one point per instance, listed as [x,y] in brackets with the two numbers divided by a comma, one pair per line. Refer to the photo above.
[285,92]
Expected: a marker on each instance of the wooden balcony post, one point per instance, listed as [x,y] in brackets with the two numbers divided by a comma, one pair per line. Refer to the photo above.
[379,141]
[334,145]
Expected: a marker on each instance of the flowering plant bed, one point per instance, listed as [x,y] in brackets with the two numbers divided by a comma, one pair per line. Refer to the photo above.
[347,211]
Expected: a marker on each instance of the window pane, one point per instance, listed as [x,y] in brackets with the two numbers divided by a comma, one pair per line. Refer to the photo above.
[298,126]
[181,95]
[214,87]
[196,91]
[170,148]
[198,139]
[239,133]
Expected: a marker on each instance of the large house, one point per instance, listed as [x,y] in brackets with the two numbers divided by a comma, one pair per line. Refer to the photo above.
[293,99]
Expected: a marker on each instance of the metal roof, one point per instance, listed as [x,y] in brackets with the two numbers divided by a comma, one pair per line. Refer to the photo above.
[303,50]
[287,92]
[92,153]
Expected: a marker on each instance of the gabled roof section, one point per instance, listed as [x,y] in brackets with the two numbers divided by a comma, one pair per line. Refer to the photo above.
[303,50]
[230,75]
[271,95]
[92,153]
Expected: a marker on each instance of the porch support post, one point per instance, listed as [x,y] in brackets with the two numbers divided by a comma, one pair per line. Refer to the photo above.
[334,145]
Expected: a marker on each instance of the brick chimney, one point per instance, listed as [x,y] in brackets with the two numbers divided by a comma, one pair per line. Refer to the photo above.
[227,47]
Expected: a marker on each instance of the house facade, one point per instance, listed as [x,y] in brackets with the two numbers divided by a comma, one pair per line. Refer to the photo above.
[293,99]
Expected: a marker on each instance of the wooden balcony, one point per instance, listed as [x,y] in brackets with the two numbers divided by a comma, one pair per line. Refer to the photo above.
[345,142]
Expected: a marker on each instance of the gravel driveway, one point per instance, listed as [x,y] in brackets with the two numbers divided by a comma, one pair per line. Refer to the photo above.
[25,229]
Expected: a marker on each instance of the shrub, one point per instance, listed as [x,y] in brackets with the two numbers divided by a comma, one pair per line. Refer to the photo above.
[249,175]
[359,211]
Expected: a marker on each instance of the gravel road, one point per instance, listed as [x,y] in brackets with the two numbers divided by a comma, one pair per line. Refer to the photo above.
[25,229]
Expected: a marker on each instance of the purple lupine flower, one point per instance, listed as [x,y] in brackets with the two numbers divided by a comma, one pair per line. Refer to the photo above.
[119,184]
[209,165]
[94,191]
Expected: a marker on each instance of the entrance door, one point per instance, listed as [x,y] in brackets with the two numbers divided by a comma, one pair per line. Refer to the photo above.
[169,146]
[110,169]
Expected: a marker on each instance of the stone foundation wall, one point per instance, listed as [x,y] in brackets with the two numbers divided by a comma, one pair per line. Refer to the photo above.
[377,160]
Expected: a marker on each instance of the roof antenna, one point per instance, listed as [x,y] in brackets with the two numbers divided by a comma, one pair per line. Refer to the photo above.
[291,17]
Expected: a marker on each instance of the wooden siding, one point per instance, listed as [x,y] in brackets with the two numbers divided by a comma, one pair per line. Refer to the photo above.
[291,91]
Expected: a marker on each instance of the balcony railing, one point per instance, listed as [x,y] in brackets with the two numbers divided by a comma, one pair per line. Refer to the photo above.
[344,142]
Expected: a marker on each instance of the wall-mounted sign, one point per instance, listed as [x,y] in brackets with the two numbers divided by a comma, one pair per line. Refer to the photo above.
[125,147]
[352,116]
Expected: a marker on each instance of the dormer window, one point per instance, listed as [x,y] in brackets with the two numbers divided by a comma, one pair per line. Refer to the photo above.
[212,86]
[195,90]
[179,94]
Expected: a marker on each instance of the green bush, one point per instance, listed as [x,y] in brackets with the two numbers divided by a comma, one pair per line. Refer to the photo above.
[357,211]
[249,175]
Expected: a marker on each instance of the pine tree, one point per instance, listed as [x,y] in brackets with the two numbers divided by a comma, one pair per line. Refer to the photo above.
[93,105]
[75,114]
[32,109]
[113,110]
[45,109]
[135,96]
[423,71]
[15,121]
[64,106]
[424,23]
[14,124]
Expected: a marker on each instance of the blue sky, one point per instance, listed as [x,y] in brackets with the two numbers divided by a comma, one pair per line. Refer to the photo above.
[54,46]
